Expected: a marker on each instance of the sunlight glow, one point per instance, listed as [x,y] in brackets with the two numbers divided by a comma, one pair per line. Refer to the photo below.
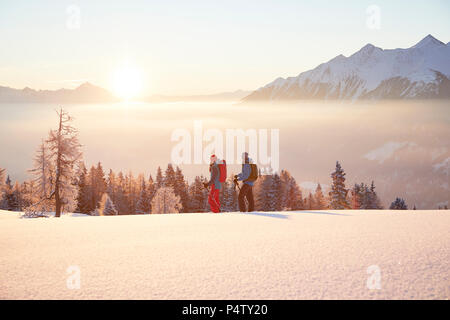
[127,82]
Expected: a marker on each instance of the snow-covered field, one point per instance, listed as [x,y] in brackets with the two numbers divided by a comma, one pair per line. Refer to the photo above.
[297,255]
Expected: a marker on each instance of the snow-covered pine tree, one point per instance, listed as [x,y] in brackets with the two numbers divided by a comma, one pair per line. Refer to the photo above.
[181,189]
[165,201]
[398,204]
[338,193]
[319,198]
[106,207]
[65,153]
[198,195]
[270,193]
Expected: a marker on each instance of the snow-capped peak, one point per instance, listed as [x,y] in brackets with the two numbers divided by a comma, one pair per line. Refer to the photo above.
[428,41]
[421,71]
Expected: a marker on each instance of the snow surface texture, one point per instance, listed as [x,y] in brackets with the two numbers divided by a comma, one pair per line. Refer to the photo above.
[297,255]
[370,73]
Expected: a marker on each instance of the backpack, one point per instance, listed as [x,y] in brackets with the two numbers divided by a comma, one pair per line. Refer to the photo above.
[222,171]
[253,173]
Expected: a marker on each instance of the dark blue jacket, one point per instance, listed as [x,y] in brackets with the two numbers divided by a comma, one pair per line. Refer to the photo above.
[246,170]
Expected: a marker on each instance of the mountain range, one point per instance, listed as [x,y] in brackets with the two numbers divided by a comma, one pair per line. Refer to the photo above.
[85,93]
[419,72]
[89,93]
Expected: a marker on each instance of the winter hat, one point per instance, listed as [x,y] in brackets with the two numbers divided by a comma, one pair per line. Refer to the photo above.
[213,158]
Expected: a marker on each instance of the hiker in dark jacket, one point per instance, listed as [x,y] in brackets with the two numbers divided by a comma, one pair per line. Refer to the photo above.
[215,184]
[247,186]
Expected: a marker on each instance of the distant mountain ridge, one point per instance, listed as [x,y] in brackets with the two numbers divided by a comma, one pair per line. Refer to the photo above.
[419,72]
[223,96]
[89,93]
[85,93]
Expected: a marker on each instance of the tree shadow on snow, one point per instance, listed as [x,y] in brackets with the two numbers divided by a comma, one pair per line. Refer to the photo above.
[322,212]
[266,214]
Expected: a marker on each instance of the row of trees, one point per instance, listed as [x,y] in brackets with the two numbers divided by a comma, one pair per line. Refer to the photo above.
[97,193]
[63,182]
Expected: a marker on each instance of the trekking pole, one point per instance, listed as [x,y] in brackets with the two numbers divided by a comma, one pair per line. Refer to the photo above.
[236,184]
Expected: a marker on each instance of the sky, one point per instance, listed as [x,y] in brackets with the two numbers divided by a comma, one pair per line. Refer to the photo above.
[198,47]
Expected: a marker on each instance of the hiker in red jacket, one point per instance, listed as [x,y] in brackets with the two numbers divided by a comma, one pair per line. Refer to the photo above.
[215,184]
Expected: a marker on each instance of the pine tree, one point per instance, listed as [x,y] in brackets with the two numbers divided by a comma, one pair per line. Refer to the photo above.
[106,207]
[111,187]
[365,197]
[17,197]
[291,195]
[228,196]
[374,202]
[165,201]
[2,182]
[27,191]
[83,196]
[143,205]
[398,204]
[269,193]
[338,193]
[131,193]
[319,199]
[9,200]
[151,190]
[310,204]
[65,153]
[159,178]
[181,189]
[198,195]
[356,197]
[121,199]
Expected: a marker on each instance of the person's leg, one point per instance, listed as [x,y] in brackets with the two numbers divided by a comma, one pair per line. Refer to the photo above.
[212,199]
[241,199]
[242,195]
[217,199]
[251,202]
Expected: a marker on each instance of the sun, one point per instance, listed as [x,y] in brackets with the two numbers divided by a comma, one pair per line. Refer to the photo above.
[127,82]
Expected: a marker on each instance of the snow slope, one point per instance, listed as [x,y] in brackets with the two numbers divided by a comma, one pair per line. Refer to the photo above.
[297,255]
[421,71]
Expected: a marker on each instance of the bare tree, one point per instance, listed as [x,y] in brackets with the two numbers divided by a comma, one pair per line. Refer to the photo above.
[65,149]
[55,162]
